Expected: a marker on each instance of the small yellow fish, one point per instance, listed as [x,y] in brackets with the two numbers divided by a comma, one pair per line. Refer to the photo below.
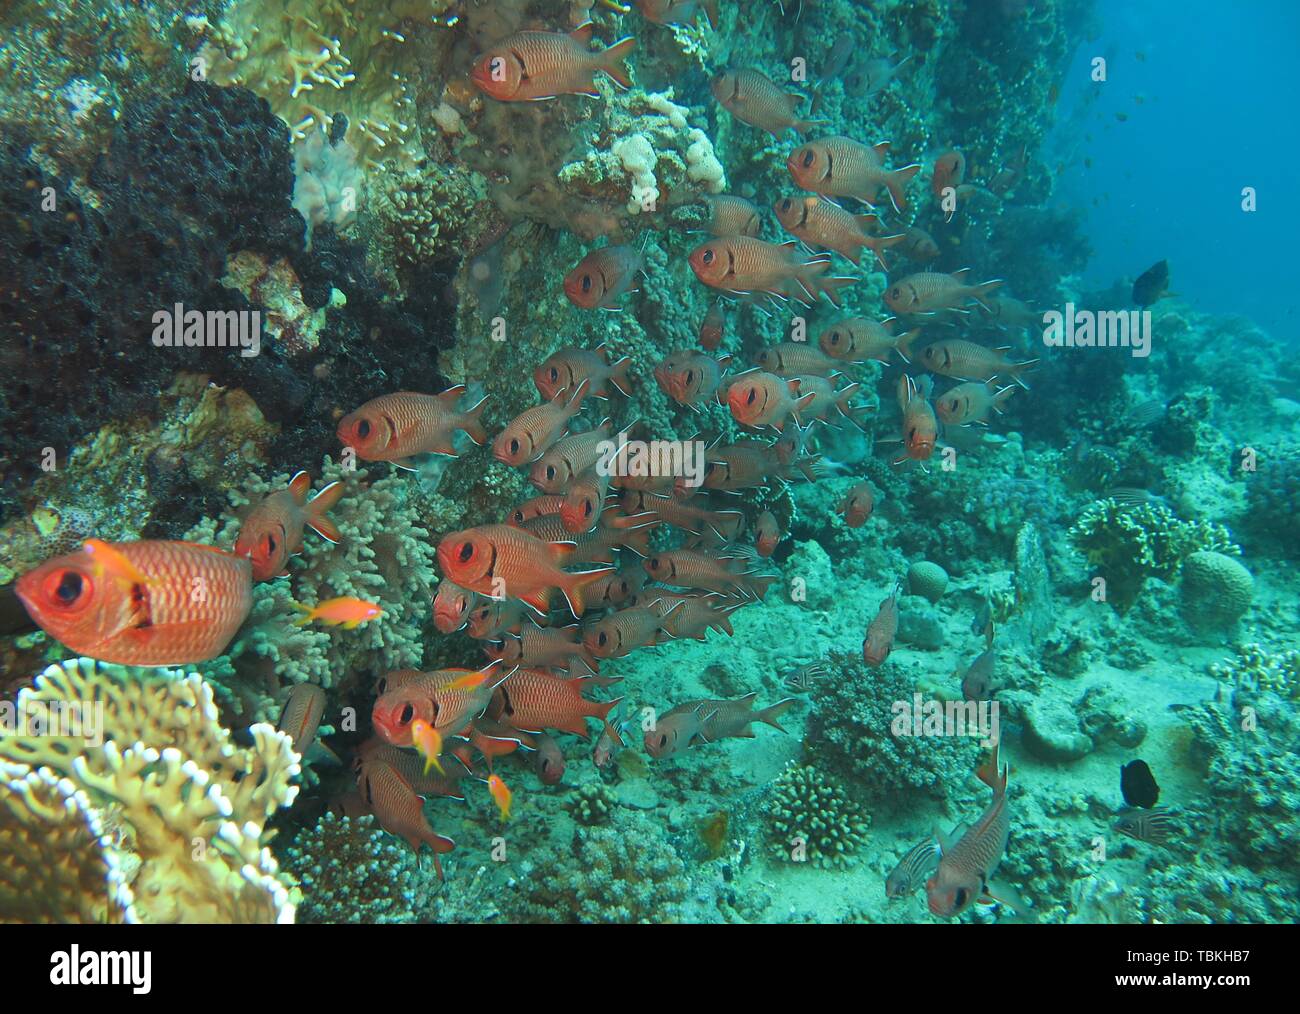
[346,610]
[501,795]
[428,741]
[469,681]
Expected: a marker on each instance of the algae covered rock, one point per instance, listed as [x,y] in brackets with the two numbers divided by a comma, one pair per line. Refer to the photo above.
[919,623]
[1216,591]
[1053,734]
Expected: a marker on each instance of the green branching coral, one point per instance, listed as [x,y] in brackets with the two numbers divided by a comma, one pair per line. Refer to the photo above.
[591,803]
[813,819]
[351,871]
[1129,543]
[849,733]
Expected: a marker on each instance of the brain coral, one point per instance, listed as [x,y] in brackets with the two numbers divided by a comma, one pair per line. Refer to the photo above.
[1216,590]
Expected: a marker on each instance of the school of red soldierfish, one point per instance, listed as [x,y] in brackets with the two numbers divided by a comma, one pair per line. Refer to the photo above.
[586,535]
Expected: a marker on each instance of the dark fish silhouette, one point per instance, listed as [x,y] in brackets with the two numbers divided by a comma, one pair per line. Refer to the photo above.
[1152,284]
[1138,784]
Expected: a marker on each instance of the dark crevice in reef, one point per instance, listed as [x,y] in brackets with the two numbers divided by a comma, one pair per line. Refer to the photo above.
[187,181]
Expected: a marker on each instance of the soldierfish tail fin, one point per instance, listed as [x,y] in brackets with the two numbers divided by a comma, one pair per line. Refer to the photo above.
[471,422]
[316,508]
[611,61]
[618,377]
[574,585]
[983,289]
[1002,395]
[773,712]
[904,344]
[897,183]
[802,127]
[299,487]
[1018,368]
[990,775]
[830,287]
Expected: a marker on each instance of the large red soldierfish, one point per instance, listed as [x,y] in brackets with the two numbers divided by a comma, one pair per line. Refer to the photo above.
[841,167]
[971,403]
[881,632]
[826,226]
[448,699]
[392,798]
[603,277]
[540,65]
[754,98]
[534,430]
[396,427]
[148,603]
[744,264]
[569,367]
[707,721]
[931,291]
[272,532]
[535,699]
[956,357]
[492,558]
[764,399]
[920,427]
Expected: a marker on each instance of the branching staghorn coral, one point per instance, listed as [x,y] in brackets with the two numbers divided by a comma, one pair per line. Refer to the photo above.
[189,806]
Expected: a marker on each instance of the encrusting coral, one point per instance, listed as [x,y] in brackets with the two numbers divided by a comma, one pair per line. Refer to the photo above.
[189,807]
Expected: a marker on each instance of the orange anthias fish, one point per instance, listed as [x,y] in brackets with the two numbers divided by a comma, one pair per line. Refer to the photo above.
[480,558]
[764,399]
[752,97]
[678,12]
[744,264]
[966,865]
[603,277]
[827,226]
[730,215]
[971,403]
[931,291]
[534,700]
[956,357]
[149,603]
[428,742]
[501,795]
[429,696]
[879,641]
[540,65]
[569,367]
[841,167]
[690,377]
[534,430]
[398,426]
[708,721]
[859,339]
[272,532]
[920,427]
[857,505]
[345,610]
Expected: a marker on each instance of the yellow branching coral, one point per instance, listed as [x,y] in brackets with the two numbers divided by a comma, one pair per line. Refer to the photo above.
[188,808]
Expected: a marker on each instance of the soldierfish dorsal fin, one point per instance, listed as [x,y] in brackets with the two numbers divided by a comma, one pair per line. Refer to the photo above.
[299,487]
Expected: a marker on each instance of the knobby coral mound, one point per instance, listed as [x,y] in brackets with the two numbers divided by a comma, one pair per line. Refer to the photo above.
[188,807]
[813,818]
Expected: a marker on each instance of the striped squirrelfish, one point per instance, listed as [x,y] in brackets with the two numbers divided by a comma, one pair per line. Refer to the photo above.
[431,697]
[483,557]
[956,357]
[912,870]
[708,721]
[568,367]
[714,326]
[826,226]
[1152,826]
[603,277]
[967,864]
[971,403]
[452,605]
[841,167]
[857,505]
[730,215]
[764,399]
[272,531]
[622,632]
[399,426]
[752,97]
[767,534]
[149,603]
[920,427]
[796,359]
[859,339]
[690,377]
[744,264]
[540,65]
[881,632]
[392,798]
[535,700]
[931,291]
[410,766]
[678,12]
[534,430]
[303,710]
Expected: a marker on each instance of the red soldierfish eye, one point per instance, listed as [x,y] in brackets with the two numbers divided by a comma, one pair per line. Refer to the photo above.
[68,589]
[466,552]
